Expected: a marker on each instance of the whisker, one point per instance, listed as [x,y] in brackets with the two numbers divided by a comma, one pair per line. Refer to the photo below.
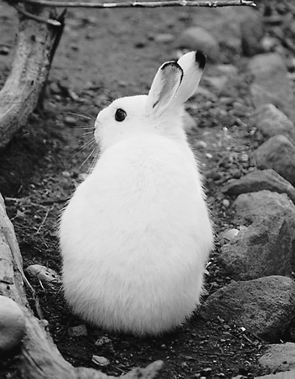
[87,158]
[85,116]
[89,143]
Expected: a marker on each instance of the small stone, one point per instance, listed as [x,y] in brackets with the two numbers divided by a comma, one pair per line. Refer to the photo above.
[200,144]
[277,153]
[100,361]
[164,38]
[12,325]
[70,120]
[45,274]
[54,88]
[230,234]
[78,331]
[244,158]
[103,341]
[206,371]
[225,203]
[66,174]
[218,82]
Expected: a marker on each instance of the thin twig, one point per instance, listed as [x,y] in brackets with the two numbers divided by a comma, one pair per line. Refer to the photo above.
[139,4]
[36,18]
[44,220]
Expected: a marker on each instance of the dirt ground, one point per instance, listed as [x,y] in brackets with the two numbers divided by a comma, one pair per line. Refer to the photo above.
[104,54]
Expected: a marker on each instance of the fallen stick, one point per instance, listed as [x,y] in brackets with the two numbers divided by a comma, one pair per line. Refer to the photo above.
[35,48]
[138,4]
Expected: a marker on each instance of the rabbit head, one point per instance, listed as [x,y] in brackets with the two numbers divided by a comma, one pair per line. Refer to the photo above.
[160,111]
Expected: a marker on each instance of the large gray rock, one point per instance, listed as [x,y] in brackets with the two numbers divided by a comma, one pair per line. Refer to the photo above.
[279,357]
[262,249]
[264,306]
[271,83]
[259,180]
[198,38]
[257,206]
[252,32]
[277,153]
[229,27]
[270,121]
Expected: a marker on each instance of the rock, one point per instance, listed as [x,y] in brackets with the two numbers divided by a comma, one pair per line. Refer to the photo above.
[78,331]
[262,249]
[252,33]
[164,38]
[45,274]
[271,83]
[12,325]
[277,153]
[263,306]
[70,120]
[270,121]
[229,235]
[226,25]
[259,180]
[218,82]
[198,38]
[189,122]
[100,361]
[279,357]
[255,206]
[227,69]
[269,43]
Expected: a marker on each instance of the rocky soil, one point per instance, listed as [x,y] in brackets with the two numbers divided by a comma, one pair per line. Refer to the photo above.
[240,124]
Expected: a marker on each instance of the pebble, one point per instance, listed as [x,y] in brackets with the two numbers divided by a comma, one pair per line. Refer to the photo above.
[45,274]
[225,203]
[70,120]
[103,341]
[206,371]
[164,38]
[230,234]
[100,361]
[66,174]
[78,331]
[200,144]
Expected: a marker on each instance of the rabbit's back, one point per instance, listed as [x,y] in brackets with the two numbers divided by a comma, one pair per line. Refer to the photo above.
[135,237]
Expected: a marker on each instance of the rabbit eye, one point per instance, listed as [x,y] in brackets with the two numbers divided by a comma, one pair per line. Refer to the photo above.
[120,115]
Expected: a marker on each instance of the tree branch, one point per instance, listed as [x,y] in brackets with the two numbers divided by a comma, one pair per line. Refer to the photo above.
[138,4]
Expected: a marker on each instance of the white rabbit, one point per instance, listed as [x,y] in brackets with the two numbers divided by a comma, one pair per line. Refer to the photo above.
[136,235]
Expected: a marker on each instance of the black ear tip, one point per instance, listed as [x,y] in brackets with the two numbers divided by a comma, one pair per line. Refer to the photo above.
[200,59]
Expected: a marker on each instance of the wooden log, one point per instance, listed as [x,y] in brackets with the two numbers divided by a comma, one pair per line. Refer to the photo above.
[34,51]
[38,357]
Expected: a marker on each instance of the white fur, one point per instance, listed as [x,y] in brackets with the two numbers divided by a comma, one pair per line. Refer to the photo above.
[136,235]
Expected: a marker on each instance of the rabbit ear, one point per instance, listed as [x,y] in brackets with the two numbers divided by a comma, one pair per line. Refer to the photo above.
[192,64]
[164,87]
